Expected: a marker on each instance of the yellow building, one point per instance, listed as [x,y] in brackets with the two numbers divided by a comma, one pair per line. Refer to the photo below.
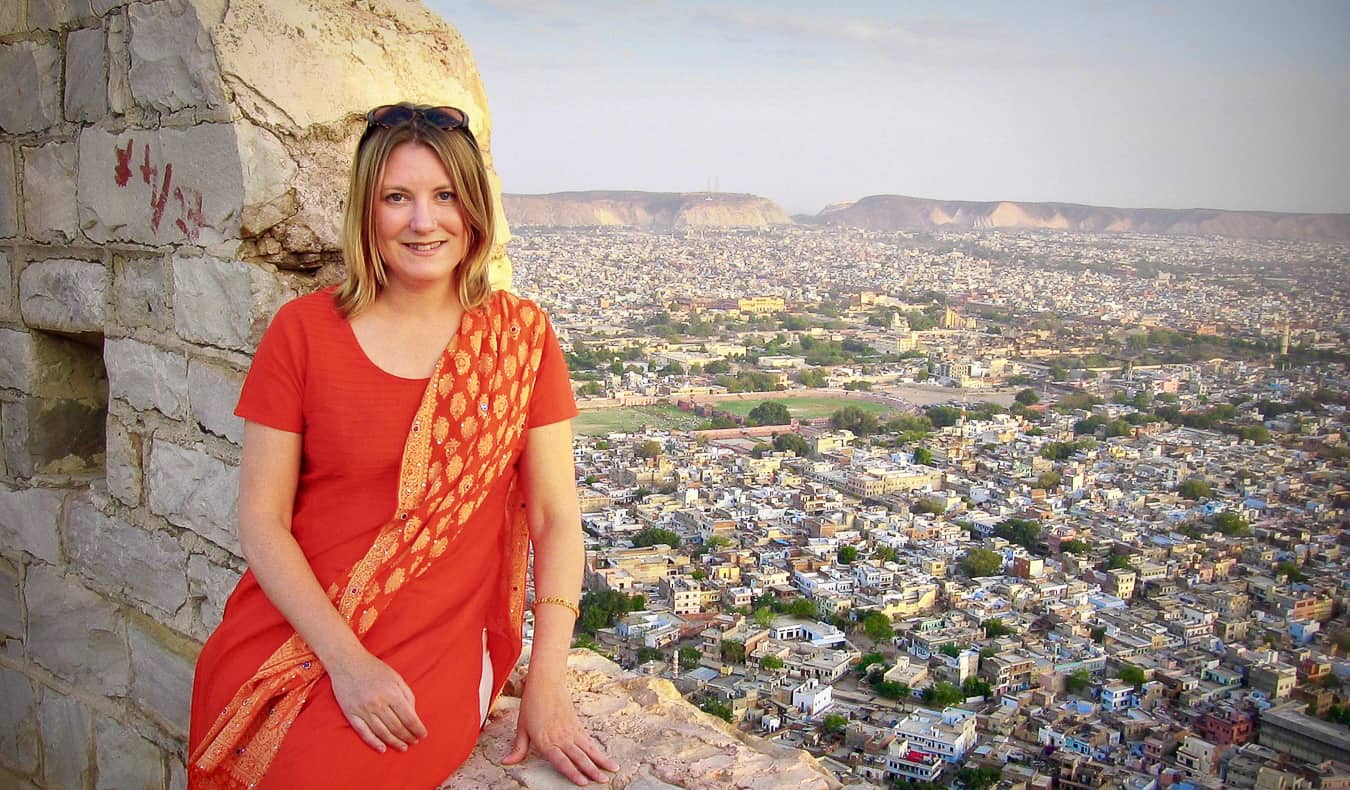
[761,304]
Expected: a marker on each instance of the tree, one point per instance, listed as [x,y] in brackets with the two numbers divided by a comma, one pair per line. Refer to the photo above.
[651,536]
[1132,674]
[768,412]
[927,506]
[1195,488]
[791,442]
[1027,397]
[889,689]
[1048,480]
[802,607]
[980,778]
[645,654]
[771,663]
[648,449]
[994,628]
[717,367]
[877,626]
[834,723]
[718,709]
[1098,634]
[1232,524]
[1078,682]
[1021,531]
[763,617]
[852,418]
[1290,570]
[943,416]
[811,377]
[689,657]
[603,608]
[974,687]
[1074,546]
[923,456]
[981,562]
[733,651]
[876,658]
[717,542]
[884,554]
[1116,561]
[846,555]
[942,694]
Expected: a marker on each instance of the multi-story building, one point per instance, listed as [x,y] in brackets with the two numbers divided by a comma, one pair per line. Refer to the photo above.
[908,764]
[948,734]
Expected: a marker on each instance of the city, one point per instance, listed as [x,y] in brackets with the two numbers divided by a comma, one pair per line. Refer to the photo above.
[1017,509]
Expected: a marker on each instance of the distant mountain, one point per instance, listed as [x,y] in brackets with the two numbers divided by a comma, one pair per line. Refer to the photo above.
[896,212]
[644,210]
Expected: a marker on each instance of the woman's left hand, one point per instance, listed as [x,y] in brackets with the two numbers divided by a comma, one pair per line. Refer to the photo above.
[548,723]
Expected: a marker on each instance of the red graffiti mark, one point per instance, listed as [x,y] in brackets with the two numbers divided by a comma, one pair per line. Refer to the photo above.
[148,171]
[190,218]
[122,173]
[157,201]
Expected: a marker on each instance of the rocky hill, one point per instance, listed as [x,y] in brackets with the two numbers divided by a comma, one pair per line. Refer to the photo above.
[897,212]
[643,210]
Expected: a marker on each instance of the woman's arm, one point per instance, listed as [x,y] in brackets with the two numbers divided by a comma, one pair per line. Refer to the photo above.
[377,702]
[548,721]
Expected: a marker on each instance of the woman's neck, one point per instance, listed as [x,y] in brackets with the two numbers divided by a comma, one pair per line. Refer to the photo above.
[419,303]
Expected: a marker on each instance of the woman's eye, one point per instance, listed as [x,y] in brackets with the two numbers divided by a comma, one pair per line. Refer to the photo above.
[395,197]
[446,195]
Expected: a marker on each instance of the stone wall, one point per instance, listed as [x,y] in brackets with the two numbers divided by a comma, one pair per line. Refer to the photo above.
[171,171]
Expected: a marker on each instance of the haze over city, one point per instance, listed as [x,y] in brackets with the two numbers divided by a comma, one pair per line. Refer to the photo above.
[1218,105]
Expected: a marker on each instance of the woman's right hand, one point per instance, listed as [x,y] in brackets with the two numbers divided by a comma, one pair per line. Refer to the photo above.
[377,702]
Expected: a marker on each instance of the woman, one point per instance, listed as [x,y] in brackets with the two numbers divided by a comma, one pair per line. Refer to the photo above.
[406,437]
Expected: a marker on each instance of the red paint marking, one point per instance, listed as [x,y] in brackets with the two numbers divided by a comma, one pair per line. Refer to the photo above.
[148,171]
[122,173]
[157,201]
[190,220]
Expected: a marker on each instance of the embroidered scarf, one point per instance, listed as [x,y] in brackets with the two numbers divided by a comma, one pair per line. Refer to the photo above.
[465,431]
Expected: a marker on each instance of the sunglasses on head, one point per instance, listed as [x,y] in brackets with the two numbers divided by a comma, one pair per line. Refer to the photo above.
[443,118]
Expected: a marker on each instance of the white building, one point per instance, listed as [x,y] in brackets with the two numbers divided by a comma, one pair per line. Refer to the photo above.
[812,698]
[949,734]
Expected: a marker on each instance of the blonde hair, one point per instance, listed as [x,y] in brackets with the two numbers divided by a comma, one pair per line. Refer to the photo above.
[459,154]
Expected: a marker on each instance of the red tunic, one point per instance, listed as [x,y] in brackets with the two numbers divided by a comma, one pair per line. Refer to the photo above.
[310,376]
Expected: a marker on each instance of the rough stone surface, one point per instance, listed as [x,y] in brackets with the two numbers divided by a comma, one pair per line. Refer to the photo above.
[125,760]
[54,14]
[86,75]
[48,184]
[658,738]
[194,490]
[8,311]
[18,722]
[222,302]
[163,186]
[11,18]
[269,172]
[212,393]
[11,613]
[28,521]
[213,584]
[147,567]
[66,741]
[177,775]
[50,367]
[32,94]
[146,377]
[9,202]
[122,464]
[102,7]
[120,100]
[75,633]
[64,295]
[53,436]
[140,293]
[161,675]
[172,66]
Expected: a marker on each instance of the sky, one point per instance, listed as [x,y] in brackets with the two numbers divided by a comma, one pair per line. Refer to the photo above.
[1231,104]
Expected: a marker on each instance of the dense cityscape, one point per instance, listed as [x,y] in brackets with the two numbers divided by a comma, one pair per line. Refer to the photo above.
[984,509]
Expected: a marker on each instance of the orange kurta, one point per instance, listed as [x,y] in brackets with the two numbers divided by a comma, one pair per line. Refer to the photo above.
[310,376]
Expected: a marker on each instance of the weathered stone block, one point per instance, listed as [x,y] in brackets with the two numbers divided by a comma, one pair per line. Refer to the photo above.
[140,286]
[64,295]
[30,96]
[146,377]
[18,722]
[125,760]
[28,521]
[120,100]
[173,63]
[213,584]
[213,392]
[8,304]
[86,75]
[75,633]
[53,436]
[163,186]
[269,174]
[9,202]
[11,615]
[55,14]
[122,464]
[12,18]
[48,188]
[147,567]
[102,7]
[37,363]
[161,675]
[194,490]
[67,741]
[213,300]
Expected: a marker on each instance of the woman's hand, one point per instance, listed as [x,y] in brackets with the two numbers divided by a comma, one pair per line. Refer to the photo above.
[548,723]
[377,702]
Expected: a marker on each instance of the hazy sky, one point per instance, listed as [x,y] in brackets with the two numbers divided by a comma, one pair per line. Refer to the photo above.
[1226,104]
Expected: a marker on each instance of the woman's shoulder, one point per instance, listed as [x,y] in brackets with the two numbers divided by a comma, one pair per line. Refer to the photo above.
[311,311]
[506,303]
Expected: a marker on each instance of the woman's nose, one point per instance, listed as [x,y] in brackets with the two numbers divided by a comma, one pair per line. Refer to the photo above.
[423,218]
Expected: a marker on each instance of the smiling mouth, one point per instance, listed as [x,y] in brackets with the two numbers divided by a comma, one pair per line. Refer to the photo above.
[423,247]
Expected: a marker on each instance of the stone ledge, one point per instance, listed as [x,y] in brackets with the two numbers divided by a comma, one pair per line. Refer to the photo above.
[658,738]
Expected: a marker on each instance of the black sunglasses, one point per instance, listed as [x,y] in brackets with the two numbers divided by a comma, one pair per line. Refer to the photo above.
[444,118]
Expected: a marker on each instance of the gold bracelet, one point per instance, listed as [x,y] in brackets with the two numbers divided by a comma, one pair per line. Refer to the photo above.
[559,600]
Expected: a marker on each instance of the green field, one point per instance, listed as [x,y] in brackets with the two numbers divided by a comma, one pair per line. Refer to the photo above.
[807,407]
[626,419]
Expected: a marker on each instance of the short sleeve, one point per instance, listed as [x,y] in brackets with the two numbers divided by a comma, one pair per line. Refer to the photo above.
[273,392]
[552,399]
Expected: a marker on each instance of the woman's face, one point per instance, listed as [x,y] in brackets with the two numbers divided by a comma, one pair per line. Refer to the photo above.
[420,231]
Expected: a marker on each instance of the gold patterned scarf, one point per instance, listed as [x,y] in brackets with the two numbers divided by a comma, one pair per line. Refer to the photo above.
[462,438]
